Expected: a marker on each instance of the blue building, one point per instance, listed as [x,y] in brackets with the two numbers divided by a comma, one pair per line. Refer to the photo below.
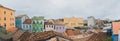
[114,37]
[27,25]
[19,21]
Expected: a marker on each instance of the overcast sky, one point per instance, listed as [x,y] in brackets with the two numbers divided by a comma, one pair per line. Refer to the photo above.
[65,8]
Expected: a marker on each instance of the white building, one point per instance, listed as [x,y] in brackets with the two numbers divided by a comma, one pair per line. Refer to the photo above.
[61,28]
[91,21]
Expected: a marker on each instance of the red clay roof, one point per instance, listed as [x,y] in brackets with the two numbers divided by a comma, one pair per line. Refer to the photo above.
[48,23]
[97,37]
[17,35]
[47,35]
[27,21]
[116,27]
[13,29]
[70,32]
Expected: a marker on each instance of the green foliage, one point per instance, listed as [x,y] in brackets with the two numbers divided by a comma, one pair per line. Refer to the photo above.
[108,39]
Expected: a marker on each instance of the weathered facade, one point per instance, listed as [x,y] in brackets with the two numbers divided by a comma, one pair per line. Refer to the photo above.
[115,30]
[38,24]
[7,17]
[73,22]
[27,25]
[55,26]
[19,21]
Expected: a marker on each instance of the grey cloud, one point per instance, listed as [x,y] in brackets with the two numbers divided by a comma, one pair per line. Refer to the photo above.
[65,8]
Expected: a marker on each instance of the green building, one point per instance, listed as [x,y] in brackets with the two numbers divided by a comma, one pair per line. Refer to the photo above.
[38,24]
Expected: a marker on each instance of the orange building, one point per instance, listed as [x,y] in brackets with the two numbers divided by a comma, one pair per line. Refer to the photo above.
[73,22]
[7,18]
[116,27]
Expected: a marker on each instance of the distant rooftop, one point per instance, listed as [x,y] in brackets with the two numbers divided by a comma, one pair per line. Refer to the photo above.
[1,5]
[6,7]
[19,16]
[27,21]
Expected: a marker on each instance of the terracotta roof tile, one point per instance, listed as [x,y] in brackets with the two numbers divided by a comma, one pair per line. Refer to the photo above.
[17,35]
[19,16]
[77,32]
[25,36]
[97,37]
[48,23]
[13,29]
[47,35]
[27,21]
[70,32]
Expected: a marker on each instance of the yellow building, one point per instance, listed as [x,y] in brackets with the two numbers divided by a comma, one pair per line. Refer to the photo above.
[7,18]
[73,22]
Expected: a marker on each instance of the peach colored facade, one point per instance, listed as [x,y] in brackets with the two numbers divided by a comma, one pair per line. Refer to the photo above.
[73,22]
[116,27]
[7,18]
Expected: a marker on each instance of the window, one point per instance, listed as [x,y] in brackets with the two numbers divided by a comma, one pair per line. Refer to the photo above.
[37,22]
[33,22]
[11,13]
[5,18]
[60,27]
[40,22]
[26,26]
[10,24]
[47,25]
[63,27]
[52,26]
[4,24]
[4,12]
[13,24]
[30,25]
[0,18]
[12,18]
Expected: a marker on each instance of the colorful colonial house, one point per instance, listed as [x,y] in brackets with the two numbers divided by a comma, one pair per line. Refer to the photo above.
[19,20]
[55,26]
[7,17]
[27,25]
[38,24]
[49,26]
[61,28]
[73,22]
